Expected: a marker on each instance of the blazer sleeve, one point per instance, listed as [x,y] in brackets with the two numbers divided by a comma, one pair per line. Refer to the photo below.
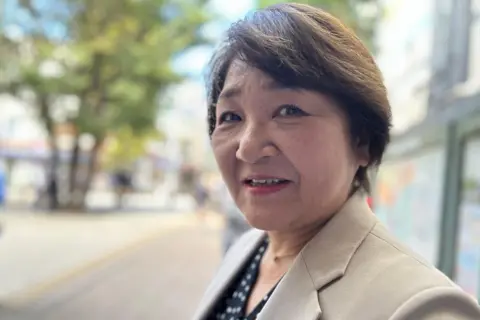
[439,303]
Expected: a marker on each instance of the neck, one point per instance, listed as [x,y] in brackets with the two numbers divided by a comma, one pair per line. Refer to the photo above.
[289,244]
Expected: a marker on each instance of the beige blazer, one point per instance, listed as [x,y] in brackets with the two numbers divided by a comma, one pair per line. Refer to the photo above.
[353,269]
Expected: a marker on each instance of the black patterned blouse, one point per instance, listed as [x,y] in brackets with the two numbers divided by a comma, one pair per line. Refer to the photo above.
[234,302]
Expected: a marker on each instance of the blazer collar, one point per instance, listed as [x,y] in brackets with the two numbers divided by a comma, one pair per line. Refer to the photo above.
[323,260]
[234,261]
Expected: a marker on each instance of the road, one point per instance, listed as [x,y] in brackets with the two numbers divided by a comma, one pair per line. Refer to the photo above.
[160,277]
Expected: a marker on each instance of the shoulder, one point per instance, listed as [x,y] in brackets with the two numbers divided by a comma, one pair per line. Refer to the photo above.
[408,286]
[439,302]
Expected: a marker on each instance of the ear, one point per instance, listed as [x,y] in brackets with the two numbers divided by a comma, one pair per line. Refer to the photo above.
[362,153]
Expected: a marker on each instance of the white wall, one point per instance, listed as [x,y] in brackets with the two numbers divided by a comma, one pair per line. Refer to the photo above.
[20,133]
[18,121]
[186,121]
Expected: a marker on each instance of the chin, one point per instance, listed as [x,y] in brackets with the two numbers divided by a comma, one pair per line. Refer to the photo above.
[268,221]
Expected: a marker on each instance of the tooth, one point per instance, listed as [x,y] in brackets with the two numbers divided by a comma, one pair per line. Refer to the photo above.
[264,181]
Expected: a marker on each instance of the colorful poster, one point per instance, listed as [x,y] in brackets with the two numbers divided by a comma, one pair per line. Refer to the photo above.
[467,272]
[408,199]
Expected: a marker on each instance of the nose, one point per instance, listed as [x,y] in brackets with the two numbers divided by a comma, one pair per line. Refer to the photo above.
[255,144]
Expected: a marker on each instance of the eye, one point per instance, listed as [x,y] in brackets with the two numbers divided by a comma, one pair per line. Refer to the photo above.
[228,117]
[290,110]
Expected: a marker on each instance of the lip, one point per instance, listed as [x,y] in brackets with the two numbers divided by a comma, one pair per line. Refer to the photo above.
[265,189]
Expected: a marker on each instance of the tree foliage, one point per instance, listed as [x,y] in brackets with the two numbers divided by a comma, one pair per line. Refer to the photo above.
[359,15]
[125,146]
[101,66]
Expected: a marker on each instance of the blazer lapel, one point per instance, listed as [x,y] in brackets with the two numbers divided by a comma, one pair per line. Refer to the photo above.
[233,262]
[322,261]
[295,297]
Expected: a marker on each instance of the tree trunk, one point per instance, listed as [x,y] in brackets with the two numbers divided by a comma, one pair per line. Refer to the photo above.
[52,181]
[90,173]
[74,202]
[52,178]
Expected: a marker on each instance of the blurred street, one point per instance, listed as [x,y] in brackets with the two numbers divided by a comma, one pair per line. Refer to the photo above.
[103,110]
[115,266]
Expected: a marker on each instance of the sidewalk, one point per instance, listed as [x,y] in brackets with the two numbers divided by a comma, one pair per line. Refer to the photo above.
[103,200]
[38,251]
[163,279]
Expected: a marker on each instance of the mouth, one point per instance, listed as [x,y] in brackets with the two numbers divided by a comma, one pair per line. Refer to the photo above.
[267,182]
[262,186]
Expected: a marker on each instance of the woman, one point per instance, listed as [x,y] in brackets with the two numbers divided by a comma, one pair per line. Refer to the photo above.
[298,113]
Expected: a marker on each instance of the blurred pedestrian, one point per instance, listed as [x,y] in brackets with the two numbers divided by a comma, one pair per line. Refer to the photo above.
[52,192]
[122,181]
[235,223]
[201,196]
[298,114]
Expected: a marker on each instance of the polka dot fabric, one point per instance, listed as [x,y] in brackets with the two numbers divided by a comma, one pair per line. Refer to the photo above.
[233,304]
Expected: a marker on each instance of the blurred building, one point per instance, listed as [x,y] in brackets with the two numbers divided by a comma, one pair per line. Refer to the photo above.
[23,148]
[428,189]
[405,58]
[185,127]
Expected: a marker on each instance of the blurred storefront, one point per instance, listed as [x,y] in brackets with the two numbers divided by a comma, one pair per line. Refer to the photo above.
[23,150]
[428,188]
[404,58]
[467,262]
[187,143]
[408,186]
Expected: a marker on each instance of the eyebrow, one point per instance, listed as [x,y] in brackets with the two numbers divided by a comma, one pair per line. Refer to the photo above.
[234,91]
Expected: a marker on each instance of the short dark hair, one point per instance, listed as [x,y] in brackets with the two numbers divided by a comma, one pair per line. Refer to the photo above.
[302,46]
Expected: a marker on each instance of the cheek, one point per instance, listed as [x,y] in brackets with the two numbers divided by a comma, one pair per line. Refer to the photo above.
[323,157]
[224,153]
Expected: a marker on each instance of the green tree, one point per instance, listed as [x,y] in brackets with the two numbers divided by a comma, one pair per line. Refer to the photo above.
[123,149]
[125,146]
[104,68]
[359,15]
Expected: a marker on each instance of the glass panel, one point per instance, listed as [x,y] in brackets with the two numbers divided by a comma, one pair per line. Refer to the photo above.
[409,200]
[468,255]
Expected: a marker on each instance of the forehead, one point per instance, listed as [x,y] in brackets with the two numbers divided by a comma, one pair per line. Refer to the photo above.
[243,80]
[240,75]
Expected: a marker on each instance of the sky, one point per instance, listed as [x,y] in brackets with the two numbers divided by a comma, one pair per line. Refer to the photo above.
[13,14]
[194,61]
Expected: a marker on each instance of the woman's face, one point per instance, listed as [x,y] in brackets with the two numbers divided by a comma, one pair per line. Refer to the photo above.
[285,154]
